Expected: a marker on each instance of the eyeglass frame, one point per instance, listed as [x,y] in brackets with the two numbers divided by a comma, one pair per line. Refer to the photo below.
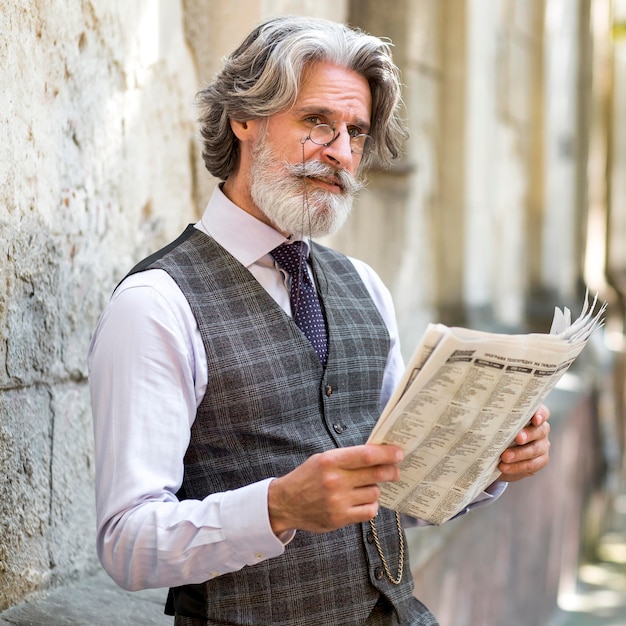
[365,137]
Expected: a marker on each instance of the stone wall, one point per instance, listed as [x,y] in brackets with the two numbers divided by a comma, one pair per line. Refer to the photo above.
[96,161]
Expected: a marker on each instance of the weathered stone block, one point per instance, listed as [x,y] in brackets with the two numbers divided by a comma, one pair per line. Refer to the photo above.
[72,512]
[24,491]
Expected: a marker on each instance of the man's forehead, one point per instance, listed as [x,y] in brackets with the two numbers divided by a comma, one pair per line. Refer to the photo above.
[334,90]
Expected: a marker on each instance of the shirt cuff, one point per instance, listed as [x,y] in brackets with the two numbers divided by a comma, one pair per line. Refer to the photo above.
[247,525]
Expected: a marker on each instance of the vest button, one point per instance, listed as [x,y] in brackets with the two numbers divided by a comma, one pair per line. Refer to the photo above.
[379,573]
[329,390]
[370,537]
[338,428]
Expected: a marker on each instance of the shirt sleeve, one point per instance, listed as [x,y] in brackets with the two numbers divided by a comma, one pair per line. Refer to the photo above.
[144,389]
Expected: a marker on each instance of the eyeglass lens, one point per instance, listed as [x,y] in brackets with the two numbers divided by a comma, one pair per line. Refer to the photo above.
[323,134]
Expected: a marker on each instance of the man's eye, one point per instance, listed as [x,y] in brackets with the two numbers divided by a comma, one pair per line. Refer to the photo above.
[353,132]
[314,120]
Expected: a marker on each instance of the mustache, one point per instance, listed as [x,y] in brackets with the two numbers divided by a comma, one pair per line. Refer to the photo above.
[316,169]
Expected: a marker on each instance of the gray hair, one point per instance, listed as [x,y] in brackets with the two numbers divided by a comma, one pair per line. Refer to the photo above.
[263,75]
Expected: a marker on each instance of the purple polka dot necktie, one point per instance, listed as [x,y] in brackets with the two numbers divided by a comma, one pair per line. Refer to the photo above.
[305,305]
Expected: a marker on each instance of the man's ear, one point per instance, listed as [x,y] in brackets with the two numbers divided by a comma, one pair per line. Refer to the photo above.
[245,130]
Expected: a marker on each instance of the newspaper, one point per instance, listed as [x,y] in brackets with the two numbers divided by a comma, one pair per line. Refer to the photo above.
[465,396]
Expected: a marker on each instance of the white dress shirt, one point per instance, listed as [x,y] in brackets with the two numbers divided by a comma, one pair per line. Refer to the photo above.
[147,376]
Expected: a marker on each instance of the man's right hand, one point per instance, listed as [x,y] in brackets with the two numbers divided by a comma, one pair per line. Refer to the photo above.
[332,489]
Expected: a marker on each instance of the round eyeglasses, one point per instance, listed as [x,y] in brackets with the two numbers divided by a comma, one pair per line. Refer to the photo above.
[325,134]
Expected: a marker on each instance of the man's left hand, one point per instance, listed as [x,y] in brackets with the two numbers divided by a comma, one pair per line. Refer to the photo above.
[530,452]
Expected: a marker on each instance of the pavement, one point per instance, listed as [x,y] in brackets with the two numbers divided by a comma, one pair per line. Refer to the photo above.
[598,597]
[94,601]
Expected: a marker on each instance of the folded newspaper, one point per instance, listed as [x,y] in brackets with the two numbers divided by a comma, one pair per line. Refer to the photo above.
[465,396]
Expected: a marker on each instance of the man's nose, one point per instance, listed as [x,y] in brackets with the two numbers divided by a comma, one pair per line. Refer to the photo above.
[339,151]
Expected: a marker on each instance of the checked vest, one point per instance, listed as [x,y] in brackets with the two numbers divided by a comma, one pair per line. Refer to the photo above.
[269,405]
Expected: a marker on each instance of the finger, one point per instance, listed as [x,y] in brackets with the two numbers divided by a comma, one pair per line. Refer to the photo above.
[342,479]
[532,433]
[512,472]
[365,496]
[367,455]
[535,447]
[362,513]
[365,504]
[542,415]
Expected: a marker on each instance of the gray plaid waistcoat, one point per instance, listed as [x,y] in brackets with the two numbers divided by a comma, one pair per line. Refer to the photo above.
[270,405]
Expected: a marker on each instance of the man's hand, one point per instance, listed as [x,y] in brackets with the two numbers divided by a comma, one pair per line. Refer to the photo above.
[332,489]
[530,451]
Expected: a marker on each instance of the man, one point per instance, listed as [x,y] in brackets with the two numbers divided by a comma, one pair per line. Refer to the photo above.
[231,463]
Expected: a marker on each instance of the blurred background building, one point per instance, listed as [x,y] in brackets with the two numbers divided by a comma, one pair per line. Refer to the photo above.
[509,201]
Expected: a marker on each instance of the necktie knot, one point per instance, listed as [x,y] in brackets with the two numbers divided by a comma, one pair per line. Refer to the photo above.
[292,258]
[305,305]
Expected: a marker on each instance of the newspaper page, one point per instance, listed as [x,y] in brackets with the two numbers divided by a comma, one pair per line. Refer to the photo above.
[465,396]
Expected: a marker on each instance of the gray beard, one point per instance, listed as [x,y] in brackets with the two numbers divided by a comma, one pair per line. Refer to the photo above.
[282,194]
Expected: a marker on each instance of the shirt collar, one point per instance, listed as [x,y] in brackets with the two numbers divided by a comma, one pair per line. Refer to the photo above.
[242,235]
